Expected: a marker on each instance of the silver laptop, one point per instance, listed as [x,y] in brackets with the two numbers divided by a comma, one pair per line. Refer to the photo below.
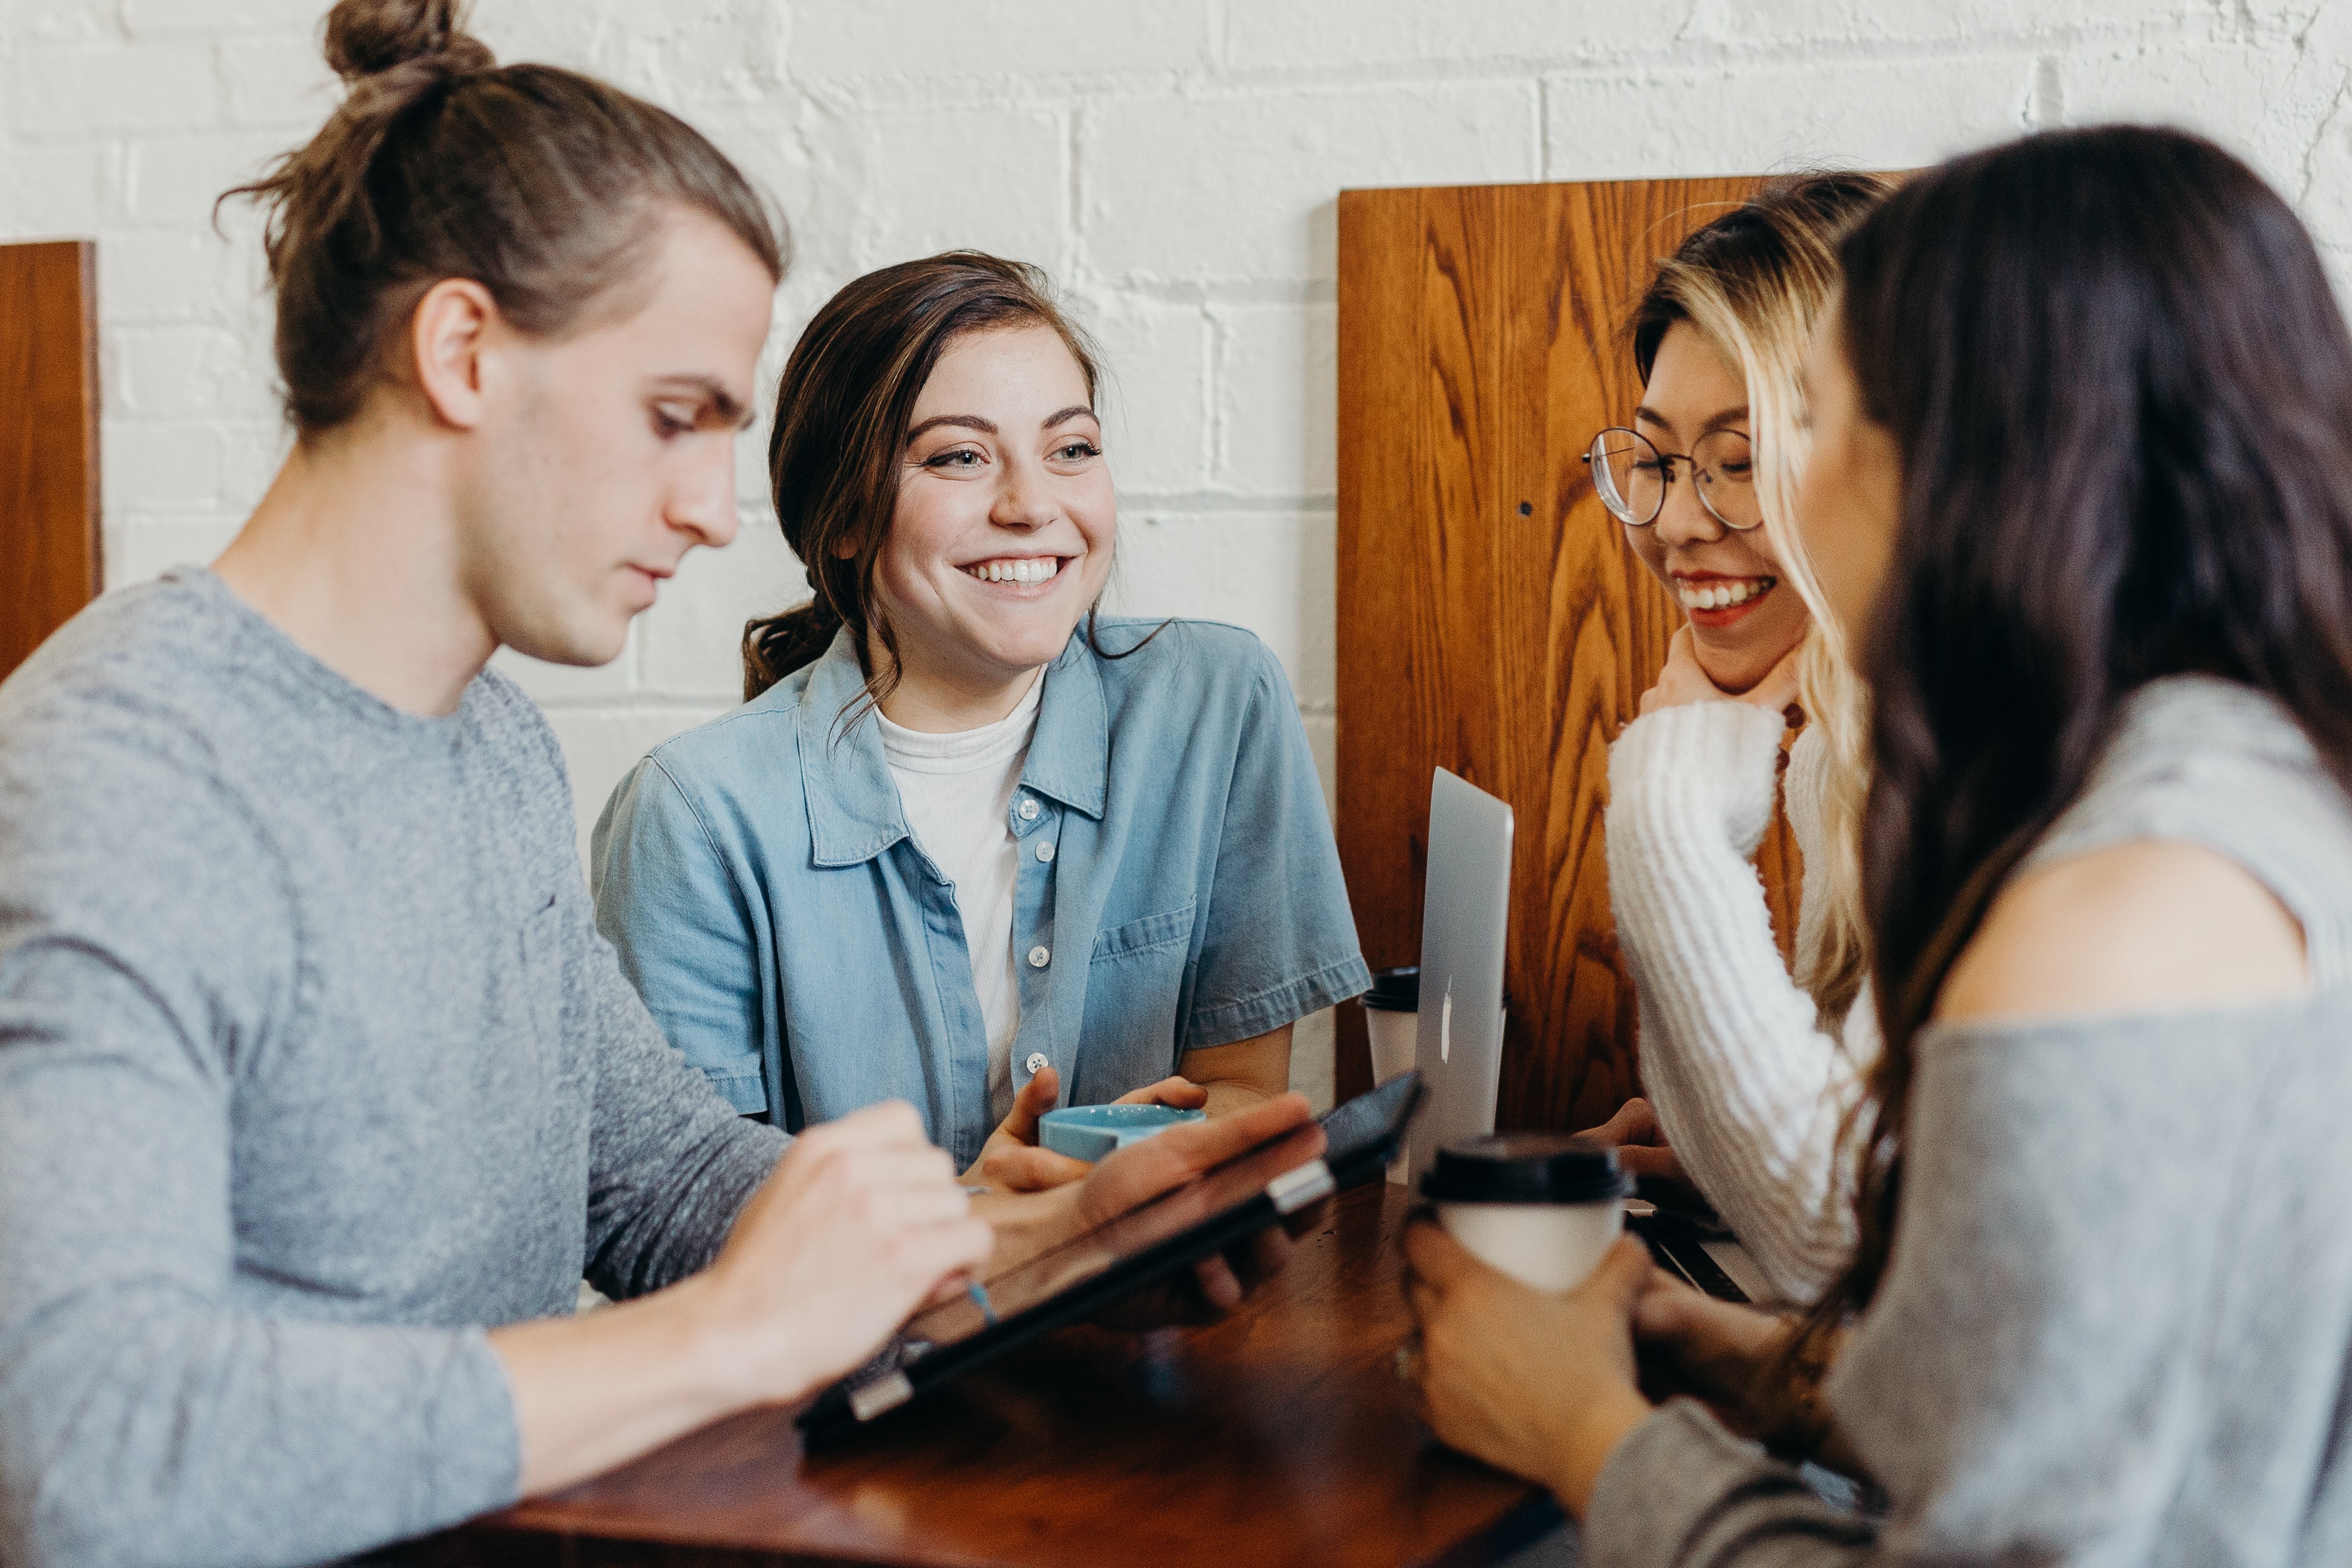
[1465,914]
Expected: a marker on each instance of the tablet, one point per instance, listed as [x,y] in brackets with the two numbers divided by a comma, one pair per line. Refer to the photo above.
[1080,1276]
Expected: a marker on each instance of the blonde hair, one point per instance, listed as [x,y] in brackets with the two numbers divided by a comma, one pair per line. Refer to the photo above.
[1754,283]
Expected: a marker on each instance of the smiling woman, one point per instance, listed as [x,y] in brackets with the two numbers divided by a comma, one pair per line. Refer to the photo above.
[1748,1068]
[968,842]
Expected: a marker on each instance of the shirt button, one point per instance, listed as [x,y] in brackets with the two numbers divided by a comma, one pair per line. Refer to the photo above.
[1036,1063]
[1039,957]
[1045,848]
[1028,810]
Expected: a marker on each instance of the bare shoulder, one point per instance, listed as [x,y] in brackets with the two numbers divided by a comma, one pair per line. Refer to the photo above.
[2153,925]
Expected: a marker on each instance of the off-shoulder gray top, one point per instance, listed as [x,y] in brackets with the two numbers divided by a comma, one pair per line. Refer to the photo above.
[2117,1325]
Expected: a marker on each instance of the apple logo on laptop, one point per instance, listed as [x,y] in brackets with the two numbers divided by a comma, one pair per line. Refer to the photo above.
[1445,1023]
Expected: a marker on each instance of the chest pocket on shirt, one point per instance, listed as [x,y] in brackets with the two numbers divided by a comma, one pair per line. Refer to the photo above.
[1133,988]
[535,991]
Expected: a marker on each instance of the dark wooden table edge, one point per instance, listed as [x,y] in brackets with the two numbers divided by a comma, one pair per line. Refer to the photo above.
[498,1546]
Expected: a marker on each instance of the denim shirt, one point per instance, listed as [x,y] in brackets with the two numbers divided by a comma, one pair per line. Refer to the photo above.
[1177,888]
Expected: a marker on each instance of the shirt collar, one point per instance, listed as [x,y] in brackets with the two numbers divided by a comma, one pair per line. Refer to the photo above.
[853,804]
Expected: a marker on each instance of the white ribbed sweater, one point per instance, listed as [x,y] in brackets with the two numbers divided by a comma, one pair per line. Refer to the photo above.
[1747,1084]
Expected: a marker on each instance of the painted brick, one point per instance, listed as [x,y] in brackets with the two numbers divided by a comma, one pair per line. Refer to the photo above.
[144,18]
[174,180]
[1272,572]
[186,372]
[712,51]
[690,642]
[927,180]
[569,685]
[1277,399]
[175,468]
[177,276]
[1320,34]
[148,546]
[154,87]
[1312,1060]
[1245,185]
[1879,114]
[1832,22]
[1323,740]
[277,79]
[600,745]
[24,23]
[253,451]
[920,40]
[2241,96]
[60,189]
[1155,394]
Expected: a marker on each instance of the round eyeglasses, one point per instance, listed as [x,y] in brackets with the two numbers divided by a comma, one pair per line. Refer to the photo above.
[1631,476]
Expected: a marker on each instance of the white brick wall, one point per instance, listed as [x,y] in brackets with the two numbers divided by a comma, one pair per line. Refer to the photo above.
[1173,163]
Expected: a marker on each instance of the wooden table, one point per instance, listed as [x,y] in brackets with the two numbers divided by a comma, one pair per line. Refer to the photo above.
[1280,1435]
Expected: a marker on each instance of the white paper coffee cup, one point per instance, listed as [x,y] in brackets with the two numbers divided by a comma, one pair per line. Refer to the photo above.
[1543,1208]
[1393,1018]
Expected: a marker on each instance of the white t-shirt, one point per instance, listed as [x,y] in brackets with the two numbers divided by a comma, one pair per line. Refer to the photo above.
[957,790]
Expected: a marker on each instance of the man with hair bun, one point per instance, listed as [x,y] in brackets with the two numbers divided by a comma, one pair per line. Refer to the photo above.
[319,1091]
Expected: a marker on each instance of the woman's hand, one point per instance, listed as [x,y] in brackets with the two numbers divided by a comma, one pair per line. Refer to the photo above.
[1640,1144]
[1683,681]
[1013,1160]
[1028,1224]
[1735,1359]
[1539,1385]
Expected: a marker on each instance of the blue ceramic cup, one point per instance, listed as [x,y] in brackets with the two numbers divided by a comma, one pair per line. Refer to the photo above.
[1090,1131]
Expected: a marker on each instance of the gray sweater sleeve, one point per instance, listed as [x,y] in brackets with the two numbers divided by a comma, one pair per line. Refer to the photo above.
[671,1162]
[2029,1384]
[144,1417]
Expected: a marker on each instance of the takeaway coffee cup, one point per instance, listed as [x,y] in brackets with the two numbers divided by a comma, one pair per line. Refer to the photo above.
[1544,1207]
[1391,1014]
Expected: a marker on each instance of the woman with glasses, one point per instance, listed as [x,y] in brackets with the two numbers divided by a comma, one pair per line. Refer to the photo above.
[2081,487]
[1747,1070]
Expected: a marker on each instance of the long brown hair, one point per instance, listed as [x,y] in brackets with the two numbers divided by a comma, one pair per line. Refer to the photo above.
[544,187]
[2122,394]
[847,395]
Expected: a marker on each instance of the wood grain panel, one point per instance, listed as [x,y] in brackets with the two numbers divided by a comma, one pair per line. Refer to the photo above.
[1491,619]
[48,441]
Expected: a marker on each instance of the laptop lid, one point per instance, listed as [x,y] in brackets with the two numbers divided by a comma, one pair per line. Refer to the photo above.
[1464,918]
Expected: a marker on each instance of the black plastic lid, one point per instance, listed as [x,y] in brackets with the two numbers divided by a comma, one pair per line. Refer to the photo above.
[1526,1167]
[1395,990]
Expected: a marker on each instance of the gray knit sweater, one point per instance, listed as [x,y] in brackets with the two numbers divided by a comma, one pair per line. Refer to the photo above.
[2117,1326]
[312,1064]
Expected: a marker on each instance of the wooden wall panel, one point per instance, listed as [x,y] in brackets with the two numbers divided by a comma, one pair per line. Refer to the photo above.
[48,441]
[1491,619]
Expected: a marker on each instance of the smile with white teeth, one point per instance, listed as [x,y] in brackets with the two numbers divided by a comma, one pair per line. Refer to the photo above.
[1722,593]
[1017,568]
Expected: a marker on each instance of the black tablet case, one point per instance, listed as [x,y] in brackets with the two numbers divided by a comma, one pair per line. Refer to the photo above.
[1360,1138]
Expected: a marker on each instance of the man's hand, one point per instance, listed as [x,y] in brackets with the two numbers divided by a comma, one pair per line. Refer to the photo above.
[1013,1160]
[860,1223]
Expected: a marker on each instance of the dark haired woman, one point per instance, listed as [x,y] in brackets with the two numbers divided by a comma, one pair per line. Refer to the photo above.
[2083,478]
[968,843]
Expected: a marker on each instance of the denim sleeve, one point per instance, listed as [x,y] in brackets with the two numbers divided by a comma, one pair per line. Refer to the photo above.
[1279,941]
[671,908]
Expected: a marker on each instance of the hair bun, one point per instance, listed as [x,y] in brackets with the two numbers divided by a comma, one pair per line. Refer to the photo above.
[368,36]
